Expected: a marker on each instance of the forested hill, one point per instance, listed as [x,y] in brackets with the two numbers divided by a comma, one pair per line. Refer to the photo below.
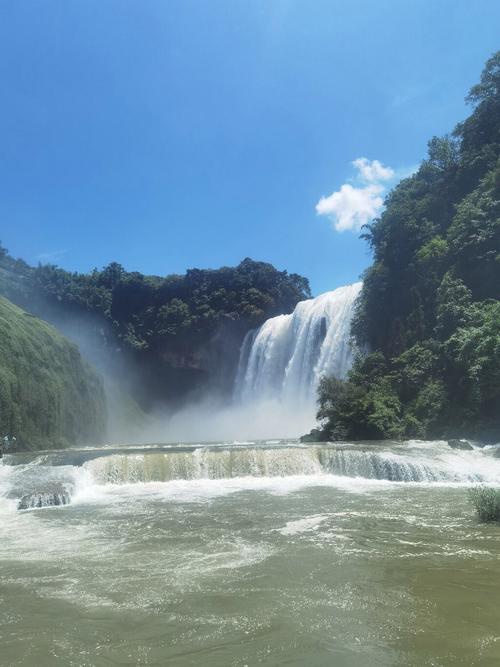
[429,310]
[174,334]
[49,396]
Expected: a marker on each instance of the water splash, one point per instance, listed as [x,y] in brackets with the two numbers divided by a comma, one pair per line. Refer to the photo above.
[49,496]
[197,470]
[286,357]
[434,464]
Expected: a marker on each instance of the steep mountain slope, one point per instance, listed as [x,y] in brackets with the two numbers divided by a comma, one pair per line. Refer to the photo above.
[49,396]
[429,311]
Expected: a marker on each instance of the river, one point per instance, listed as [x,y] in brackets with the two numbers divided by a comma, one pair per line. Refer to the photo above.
[249,554]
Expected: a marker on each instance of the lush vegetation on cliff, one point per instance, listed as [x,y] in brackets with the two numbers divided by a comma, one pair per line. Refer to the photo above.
[49,396]
[176,332]
[429,311]
[149,312]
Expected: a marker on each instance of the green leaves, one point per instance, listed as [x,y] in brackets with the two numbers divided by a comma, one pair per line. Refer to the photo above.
[489,86]
[453,306]
[432,253]
[474,237]
[429,308]
[486,501]
[174,331]
[49,397]
[366,406]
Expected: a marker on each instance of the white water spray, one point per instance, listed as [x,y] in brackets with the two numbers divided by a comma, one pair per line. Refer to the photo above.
[287,356]
[194,470]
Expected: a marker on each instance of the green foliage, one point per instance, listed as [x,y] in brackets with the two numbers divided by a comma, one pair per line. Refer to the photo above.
[173,333]
[472,355]
[432,253]
[474,237]
[486,501]
[153,313]
[453,307]
[488,89]
[367,409]
[429,309]
[49,397]
[315,435]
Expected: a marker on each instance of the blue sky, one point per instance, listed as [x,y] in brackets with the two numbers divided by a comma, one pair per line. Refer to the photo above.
[171,134]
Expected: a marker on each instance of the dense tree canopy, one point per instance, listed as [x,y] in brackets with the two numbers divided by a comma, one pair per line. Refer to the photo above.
[193,321]
[149,311]
[429,310]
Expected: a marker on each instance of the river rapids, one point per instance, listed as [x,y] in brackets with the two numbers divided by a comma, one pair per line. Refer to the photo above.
[250,553]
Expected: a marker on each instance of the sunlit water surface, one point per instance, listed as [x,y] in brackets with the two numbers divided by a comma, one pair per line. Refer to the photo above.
[267,554]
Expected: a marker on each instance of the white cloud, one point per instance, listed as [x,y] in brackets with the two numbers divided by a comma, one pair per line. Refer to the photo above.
[373,171]
[353,206]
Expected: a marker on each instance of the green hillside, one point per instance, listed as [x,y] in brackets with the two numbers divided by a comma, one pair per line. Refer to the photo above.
[49,396]
[174,334]
[429,312]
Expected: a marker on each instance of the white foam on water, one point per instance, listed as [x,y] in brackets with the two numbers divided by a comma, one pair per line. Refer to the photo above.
[412,463]
[303,525]
[205,473]
[203,490]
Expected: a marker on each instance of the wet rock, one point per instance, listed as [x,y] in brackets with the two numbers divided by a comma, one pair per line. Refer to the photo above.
[51,495]
[459,444]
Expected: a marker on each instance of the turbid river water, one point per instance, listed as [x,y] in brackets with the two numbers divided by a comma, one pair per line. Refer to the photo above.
[249,554]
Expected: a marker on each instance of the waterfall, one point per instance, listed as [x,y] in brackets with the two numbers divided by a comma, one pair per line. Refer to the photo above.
[286,357]
[52,482]
[399,464]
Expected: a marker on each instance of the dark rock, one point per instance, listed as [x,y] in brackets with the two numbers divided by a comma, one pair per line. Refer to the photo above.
[52,495]
[316,435]
[459,444]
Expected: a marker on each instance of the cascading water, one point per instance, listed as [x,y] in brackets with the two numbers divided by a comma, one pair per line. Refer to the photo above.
[286,357]
[232,552]
[54,481]
[407,463]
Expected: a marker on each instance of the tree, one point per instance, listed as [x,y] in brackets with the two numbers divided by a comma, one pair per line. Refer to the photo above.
[429,308]
[453,306]
[488,88]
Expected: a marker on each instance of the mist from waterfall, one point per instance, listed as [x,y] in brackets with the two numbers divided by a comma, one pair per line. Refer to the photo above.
[284,360]
[275,389]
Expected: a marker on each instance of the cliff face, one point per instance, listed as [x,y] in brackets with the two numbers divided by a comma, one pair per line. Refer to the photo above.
[49,396]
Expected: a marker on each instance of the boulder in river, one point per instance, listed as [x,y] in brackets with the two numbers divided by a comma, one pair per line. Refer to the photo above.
[52,495]
[459,444]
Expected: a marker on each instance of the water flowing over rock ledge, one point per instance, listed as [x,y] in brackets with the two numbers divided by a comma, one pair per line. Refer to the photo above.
[53,480]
